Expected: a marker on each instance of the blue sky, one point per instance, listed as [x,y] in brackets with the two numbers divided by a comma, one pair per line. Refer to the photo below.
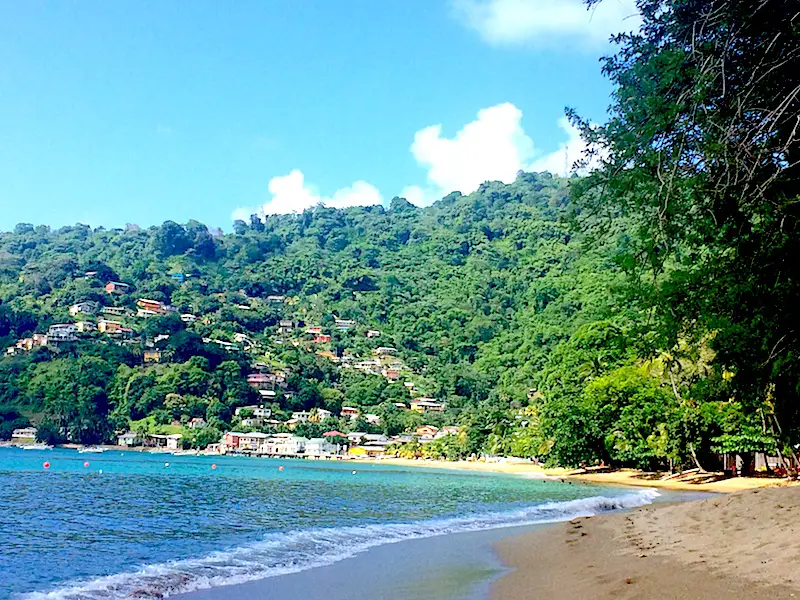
[142,111]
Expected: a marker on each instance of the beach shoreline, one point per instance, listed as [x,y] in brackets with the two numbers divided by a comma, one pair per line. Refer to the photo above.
[615,478]
[744,545]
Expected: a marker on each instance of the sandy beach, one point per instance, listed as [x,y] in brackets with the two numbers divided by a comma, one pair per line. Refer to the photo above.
[742,545]
[620,477]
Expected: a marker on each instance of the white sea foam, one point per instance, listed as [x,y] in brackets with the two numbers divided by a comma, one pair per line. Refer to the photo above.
[293,551]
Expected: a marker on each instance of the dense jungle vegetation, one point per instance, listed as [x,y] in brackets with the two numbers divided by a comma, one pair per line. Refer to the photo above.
[644,314]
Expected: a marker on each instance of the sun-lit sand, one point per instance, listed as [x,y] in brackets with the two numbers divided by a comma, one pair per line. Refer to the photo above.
[625,477]
[741,545]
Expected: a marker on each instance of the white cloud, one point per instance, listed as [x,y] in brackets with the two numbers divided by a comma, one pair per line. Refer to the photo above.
[290,193]
[561,161]
[547,22]
[493,147]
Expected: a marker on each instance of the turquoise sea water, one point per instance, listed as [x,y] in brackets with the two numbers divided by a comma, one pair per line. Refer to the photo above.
[136,525]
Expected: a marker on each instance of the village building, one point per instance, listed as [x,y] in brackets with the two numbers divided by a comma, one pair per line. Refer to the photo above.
[424,405]
[373,333]
[256,410]
[85,327]
[87,308]
[152,356]
[375,450]
[426,432]
[349,412]
[24,434]
[314,330]
[109,327]
[372,419]
[188,318]
[391,374]
[171,441]
[385,351]
[276,299]
[322,339]
[285,444]
[261,381]
[114,311]
[129,439]
[301,415]
[445,431]
[344,324]
[285,325]
[356,437]
[62,332]
[117,287]
[320,447]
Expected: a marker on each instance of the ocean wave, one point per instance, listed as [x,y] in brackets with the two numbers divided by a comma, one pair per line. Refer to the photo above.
[300,550]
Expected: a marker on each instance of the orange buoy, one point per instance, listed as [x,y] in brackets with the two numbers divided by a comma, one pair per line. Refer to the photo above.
[46,465]
[280,468]
[214,466]
[86,464]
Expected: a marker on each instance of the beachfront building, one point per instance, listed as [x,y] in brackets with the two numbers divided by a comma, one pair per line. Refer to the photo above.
[285,444]
[318,447]
[129,439]
[24,434]
[445,431]
[426,433]
[170,442]
[371,450]
[253,442]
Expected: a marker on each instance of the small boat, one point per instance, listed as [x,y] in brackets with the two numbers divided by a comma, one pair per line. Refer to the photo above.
[37,447]
[91,450]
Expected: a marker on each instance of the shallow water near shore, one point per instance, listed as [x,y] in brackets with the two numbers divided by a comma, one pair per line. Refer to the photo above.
[147,525]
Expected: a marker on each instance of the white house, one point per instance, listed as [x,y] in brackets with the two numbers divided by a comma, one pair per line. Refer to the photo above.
[257,411]
[129,439]
[319,447]
[88,308]
[285,444]
[24,433]
[301,415]
[62,332]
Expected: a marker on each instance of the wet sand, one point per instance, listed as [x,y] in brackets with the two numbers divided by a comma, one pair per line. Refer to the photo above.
[738,546]
[458,566]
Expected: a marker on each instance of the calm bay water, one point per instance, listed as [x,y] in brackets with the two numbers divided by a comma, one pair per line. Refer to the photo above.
[143,529]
